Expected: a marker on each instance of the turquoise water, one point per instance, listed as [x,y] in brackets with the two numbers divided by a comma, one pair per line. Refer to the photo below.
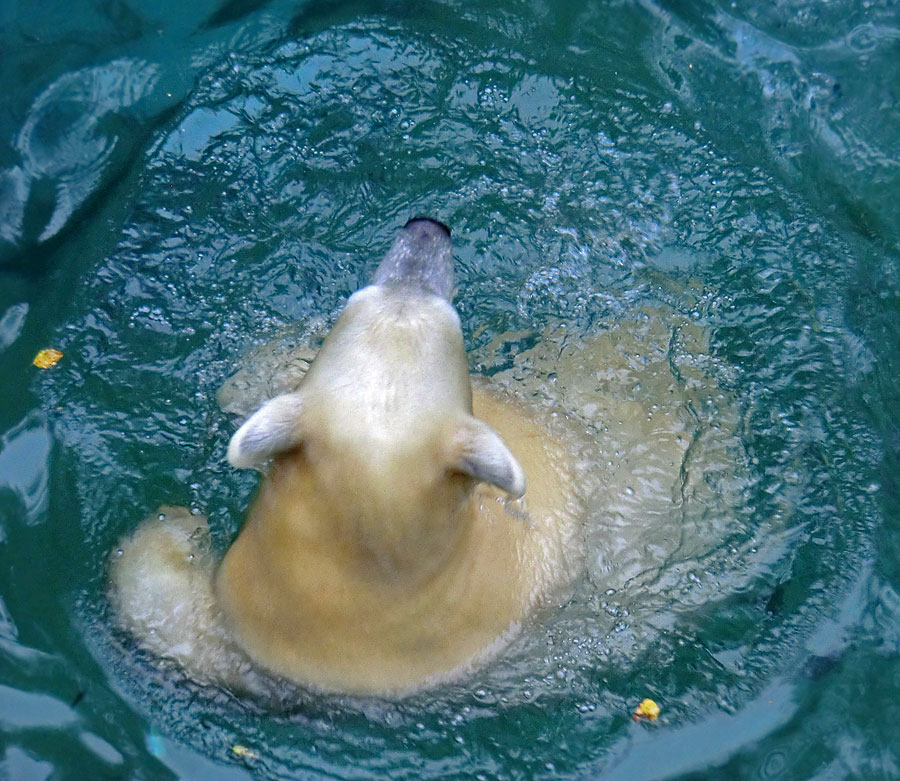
[180,185]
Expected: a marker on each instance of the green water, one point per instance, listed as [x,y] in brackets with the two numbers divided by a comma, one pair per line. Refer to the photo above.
[179,184]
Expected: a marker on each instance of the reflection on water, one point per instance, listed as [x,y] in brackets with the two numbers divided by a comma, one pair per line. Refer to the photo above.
[64,147]
[675,226]
[24,456]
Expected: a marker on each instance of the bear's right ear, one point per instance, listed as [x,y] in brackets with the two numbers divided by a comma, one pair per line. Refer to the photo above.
[482,454]
[274,428]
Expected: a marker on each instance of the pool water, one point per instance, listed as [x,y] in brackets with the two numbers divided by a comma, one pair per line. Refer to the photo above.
[666,218]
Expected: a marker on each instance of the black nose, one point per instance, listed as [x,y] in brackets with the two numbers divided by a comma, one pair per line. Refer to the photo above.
[431,220]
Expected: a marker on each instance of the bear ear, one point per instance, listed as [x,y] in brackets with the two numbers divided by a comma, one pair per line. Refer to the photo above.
[484,456]
[274,428]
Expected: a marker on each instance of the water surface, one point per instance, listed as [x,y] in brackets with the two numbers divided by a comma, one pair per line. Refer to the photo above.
[711,191]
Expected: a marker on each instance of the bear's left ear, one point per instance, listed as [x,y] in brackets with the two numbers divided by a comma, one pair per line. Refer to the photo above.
[276,427]
[484,456]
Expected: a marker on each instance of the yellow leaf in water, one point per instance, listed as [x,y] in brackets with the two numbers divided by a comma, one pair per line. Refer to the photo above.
[47,358]
[646,710]
[243,751]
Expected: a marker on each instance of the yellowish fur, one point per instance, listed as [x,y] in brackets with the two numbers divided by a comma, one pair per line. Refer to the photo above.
[389,608]
[162,577]
[354,604]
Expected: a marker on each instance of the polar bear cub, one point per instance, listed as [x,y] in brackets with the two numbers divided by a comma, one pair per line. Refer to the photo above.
[383,552]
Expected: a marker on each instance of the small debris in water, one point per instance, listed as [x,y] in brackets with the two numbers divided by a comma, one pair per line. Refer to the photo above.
[648,709]
[47,358]
[242,751]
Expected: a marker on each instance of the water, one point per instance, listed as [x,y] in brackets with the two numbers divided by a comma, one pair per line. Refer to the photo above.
[709,191]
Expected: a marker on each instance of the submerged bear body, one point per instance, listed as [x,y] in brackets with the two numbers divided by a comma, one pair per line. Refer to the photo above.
[388,548]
